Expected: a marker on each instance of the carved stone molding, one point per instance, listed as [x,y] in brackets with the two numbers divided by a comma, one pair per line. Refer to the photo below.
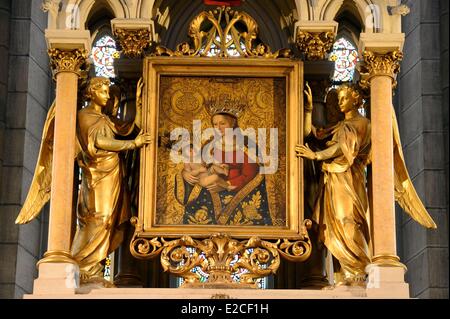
[376,64]
[51,6]
[315,45]
[133,41]
[68,61]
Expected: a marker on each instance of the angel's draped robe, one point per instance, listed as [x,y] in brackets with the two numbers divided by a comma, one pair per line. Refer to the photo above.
[102,201]
[341,208]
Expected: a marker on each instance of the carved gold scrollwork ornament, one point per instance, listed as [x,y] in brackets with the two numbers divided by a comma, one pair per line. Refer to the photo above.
[298,250]
[133,41]
[68,61]
[315,45]
[380,65]
[220,256]
[216,33]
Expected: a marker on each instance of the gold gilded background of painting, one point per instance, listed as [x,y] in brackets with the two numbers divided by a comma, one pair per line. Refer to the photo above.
[182,100]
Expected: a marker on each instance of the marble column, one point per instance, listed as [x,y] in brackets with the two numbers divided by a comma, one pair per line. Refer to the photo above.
[314,40]
[386,272]
[58,271]
[67,66]
[134,36]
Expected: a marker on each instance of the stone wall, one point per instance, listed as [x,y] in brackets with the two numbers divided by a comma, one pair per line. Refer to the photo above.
[422,112]
[25,84]
[5,12]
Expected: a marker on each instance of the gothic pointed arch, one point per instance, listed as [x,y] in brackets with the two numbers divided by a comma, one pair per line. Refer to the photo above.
[345,49]
[75,14]
[370,13]
[351,23]
[98,22]
[91,8]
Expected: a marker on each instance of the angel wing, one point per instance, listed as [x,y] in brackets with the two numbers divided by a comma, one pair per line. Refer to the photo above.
[405,193]
[40,189]
[39,192]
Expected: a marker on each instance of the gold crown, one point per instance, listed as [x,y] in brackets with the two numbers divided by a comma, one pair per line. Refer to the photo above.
[225,104]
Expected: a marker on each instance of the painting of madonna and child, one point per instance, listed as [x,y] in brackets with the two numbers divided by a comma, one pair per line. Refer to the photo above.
[221,156]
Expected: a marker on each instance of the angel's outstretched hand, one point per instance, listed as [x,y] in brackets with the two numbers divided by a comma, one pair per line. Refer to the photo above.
[309,99]
[305,151]
[139,87]
[142,139]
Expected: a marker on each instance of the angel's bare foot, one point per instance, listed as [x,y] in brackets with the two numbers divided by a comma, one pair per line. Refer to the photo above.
[97,282]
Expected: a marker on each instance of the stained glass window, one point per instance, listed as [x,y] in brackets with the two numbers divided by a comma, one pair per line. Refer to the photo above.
[262,283]
[103,53]
[107,269]
[231,50]
[345,57]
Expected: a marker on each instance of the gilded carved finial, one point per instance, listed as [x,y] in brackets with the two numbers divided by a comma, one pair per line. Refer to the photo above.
[315,45]
[220,33]
[133,41]
[68,60]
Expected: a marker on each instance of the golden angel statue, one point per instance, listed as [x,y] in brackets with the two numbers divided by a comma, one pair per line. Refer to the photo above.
[342,206]
[102,201]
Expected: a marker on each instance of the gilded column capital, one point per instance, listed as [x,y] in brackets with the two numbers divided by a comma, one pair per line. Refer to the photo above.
[376,64]
[68,60]
[133,41]
[315,45]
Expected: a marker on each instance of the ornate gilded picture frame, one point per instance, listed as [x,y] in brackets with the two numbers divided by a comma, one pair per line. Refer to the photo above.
[182,94]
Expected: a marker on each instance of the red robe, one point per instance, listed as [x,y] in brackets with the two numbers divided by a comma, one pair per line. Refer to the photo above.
[240,173]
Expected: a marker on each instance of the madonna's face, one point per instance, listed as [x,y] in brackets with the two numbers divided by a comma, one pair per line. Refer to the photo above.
[223,121]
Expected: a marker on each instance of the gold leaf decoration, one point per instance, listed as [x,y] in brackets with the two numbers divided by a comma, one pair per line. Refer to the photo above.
[220,33]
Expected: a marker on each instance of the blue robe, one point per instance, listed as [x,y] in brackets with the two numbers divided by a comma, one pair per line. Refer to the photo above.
[248,206]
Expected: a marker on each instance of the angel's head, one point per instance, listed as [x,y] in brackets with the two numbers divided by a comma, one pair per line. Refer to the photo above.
[349,98]
[98,91]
